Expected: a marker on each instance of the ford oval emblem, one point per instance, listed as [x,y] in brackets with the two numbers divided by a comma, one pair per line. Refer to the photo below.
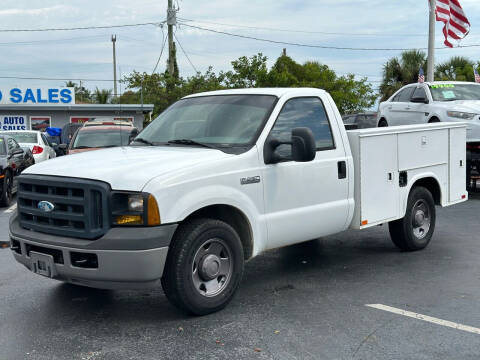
[45,206]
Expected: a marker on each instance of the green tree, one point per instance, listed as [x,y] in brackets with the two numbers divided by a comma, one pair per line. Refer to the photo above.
[247,72]
[102,96]
[399,72]
[82,94]
[458,68]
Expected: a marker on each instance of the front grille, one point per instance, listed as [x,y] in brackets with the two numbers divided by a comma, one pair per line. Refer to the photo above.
[80,206]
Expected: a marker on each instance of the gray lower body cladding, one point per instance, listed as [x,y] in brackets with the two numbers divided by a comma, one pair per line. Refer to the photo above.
[124,258]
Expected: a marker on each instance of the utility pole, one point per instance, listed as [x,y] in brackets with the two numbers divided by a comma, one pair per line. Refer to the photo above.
[114,39]
[431,41]
[171,22]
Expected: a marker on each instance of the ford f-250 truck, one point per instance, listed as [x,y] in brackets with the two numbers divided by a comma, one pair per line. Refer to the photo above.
[219,178]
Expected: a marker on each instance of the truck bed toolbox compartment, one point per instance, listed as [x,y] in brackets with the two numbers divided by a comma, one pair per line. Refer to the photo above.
[384,158]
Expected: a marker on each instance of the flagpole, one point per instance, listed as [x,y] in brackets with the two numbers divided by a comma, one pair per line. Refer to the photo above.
[431,41]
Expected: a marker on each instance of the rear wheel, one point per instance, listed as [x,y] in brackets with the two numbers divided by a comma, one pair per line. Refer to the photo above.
[6,195]
[415,230]
[204,266]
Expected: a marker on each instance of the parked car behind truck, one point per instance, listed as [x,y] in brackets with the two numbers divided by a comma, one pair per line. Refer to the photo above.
[36,141]
[221,177]
[13,160]
[437,101]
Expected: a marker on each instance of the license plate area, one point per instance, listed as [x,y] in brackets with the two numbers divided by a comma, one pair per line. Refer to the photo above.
[42,264]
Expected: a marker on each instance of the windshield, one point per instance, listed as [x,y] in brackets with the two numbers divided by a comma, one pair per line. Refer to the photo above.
[101,138]
[3,150]
[221,120]
[23,137]
[452,92]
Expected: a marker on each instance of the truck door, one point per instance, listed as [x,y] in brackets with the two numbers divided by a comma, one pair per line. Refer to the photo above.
[306,200]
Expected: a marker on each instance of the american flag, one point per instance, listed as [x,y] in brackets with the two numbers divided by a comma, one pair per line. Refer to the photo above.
[421,76]
[477,77]
[457,26]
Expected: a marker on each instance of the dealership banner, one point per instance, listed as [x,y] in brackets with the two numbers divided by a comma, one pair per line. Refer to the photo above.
[37,96]
[13,122]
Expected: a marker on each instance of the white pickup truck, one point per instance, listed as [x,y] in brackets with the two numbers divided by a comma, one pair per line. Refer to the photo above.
[219,178]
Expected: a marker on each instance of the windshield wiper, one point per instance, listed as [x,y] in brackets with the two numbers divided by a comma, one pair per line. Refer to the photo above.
[144,141]
[191,142]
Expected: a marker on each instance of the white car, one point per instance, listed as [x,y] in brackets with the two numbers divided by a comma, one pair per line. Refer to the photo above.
[36,141]
[433,102]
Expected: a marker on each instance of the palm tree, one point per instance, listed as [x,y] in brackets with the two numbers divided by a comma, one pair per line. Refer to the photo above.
[458,68]
[400,72]
[102,96]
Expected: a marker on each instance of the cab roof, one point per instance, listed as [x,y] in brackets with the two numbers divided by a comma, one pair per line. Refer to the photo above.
[278,92]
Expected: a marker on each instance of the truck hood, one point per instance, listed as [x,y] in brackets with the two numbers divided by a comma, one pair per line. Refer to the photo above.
[127,168]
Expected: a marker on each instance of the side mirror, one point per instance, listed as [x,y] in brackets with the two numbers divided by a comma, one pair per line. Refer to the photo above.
[419,100]
[53,144]
[62,146]
[303,147]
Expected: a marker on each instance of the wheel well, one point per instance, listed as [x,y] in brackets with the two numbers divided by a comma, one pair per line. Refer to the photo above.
[431,185]
[382,120]
[434,119]
[232,216]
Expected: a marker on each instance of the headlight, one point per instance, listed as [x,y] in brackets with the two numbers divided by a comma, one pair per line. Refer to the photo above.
[461,115]
[140,209]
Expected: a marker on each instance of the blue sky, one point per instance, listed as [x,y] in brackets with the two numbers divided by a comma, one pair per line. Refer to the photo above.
[88,53]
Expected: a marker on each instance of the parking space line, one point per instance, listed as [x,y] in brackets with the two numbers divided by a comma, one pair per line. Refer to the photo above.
[429,319]
[11,209]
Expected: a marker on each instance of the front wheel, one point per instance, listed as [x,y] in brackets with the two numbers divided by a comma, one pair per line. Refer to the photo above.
[415,230]
[204,266]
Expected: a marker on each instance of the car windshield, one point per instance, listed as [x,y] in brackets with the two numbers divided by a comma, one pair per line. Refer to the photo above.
[3,150]
[452,92]
[23,137]
[220,120]
[101,138]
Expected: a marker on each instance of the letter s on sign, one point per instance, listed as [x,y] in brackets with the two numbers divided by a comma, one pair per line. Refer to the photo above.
[15,95]
[66,96]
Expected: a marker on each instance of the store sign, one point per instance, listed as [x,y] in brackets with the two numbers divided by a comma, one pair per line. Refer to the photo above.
[37,96]
[39,123]
[13,122]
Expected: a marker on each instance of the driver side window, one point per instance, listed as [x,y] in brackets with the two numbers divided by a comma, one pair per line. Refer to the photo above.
[303,112]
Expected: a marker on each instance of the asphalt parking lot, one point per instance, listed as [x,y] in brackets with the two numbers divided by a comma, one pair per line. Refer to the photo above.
[303,302]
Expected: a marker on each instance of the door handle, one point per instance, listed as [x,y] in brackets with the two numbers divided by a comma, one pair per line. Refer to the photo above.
[408,108]
[389,108]
[342,169]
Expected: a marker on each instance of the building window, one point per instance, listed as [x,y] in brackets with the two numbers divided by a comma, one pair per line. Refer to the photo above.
[40,123]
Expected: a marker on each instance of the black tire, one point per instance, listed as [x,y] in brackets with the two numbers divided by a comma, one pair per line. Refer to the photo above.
[180,282]
[407,233]
[383,123]
[434,120]
[6,195]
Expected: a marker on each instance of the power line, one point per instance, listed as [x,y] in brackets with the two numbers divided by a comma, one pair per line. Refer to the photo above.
[83,27]
[33,42]
[313,46]
[161,51]
[54,79]
[299,31]
[183,50]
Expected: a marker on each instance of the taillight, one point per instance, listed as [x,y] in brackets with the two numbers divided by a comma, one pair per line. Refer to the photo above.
[37,150]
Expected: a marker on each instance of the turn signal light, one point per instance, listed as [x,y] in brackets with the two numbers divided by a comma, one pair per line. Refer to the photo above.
[129,220]
[37,149]
[153,213]
[364,222]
